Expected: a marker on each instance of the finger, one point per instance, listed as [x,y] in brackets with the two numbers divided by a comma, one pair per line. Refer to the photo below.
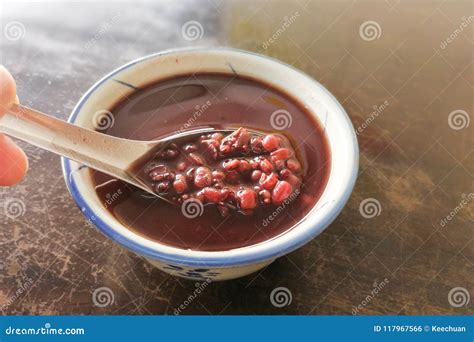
[7,90]
[13,161]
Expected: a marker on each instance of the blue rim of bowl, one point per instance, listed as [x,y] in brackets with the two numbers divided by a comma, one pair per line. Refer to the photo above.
[250,258]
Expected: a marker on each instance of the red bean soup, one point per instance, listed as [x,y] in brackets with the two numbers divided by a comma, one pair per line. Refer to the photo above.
[232,188]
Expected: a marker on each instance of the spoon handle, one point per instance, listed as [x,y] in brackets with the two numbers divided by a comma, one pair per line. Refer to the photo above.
[102,152]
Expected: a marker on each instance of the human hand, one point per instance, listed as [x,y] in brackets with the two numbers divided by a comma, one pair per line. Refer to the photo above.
[13,161]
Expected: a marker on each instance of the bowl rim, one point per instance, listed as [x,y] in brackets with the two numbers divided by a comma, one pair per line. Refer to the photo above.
[274,247]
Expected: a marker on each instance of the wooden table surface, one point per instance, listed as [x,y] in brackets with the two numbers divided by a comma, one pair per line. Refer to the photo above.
[402,70]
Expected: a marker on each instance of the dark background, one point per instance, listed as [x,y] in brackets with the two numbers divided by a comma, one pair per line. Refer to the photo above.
[412,161]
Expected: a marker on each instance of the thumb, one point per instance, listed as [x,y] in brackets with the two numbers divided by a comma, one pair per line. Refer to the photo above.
[13,161]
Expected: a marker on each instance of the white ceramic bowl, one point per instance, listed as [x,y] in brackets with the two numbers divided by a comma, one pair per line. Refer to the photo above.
[235,263]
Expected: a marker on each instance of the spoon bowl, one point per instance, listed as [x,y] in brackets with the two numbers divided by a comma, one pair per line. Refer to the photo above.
[111,155]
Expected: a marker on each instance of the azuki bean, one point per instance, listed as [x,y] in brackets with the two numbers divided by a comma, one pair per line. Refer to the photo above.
[181,166]
[281,191]
[155,166]
[265,196]
[284,173]
[270,142]
[268,181]
[231,164]
[247,199]
[162,187]
[180,184]
[240,171]
[169,154]
[281,154]
[196,159]
[293,165]
[217,175]
[255,176]
[202,177]
[212,195]
[266,166]
[232,177]
[188,148]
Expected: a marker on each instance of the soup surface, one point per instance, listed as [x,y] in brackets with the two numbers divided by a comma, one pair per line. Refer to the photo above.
[216,100]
